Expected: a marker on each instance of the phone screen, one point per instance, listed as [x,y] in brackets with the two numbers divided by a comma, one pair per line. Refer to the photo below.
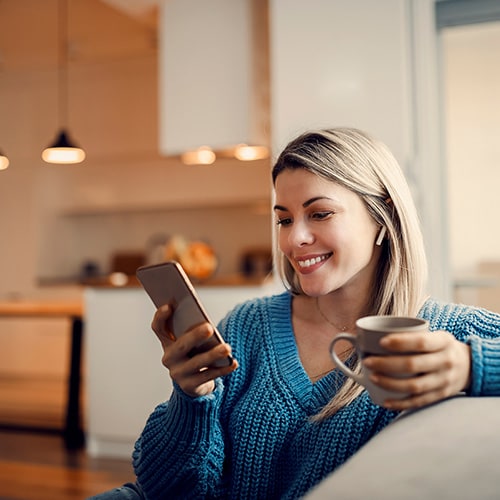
[167,283]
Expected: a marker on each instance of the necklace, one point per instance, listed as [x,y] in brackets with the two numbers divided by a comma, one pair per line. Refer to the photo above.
[339,328]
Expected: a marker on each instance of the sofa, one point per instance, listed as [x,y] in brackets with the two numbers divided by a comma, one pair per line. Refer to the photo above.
[450,450]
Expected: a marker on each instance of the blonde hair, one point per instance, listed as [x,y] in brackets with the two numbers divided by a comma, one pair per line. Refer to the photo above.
[365,166]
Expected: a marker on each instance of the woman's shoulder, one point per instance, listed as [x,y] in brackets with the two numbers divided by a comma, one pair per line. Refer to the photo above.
[262,304]
[254,320]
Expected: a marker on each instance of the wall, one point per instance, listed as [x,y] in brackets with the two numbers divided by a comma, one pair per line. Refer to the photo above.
[353,52]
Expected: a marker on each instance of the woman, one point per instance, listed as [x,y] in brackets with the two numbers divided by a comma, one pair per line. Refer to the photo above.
[281,417]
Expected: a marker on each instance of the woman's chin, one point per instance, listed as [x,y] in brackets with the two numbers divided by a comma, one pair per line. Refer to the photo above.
[314,291]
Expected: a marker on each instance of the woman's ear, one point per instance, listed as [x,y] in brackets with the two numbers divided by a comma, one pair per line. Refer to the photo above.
[381,236]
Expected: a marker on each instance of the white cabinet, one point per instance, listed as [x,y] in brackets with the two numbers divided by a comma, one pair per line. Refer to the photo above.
[125,376]
[205,80]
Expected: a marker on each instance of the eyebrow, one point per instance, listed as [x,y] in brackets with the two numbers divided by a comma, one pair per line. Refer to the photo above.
[305,204]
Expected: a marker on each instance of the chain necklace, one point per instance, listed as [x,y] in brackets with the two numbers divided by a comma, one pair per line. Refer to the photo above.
[314,378]
[339,328]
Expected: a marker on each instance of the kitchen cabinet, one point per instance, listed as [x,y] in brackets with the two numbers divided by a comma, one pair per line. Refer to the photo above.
[214,75]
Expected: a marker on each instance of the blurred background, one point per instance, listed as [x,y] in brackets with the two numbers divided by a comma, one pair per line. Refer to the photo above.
[141,84]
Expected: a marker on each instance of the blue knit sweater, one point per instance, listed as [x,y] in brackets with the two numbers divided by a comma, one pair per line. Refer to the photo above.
[252,437]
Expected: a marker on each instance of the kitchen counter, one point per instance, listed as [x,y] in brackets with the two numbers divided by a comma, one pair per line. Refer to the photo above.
[120,280]
[72,432]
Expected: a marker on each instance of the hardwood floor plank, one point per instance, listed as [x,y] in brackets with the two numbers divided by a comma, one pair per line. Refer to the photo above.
[21,481]
[36,465]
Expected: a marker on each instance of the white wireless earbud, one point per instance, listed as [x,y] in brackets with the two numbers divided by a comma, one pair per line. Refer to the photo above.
[380,236]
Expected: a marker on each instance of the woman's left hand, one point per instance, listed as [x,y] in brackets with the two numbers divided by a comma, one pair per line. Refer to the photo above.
[437,367]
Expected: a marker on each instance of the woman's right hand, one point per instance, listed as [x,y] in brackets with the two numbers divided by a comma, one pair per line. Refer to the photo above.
[195,375]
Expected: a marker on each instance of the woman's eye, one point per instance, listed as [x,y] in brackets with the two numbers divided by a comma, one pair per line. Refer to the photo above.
[321,215]
[285,221]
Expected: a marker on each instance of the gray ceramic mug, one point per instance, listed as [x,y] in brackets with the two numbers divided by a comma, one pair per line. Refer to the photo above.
[370,330]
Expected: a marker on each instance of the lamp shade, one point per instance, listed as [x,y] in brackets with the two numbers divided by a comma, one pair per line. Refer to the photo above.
[63,151]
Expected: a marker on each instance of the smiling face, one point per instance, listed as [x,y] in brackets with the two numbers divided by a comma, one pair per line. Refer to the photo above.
[326,233]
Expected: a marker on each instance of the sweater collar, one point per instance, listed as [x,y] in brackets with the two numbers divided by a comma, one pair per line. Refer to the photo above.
[310,395]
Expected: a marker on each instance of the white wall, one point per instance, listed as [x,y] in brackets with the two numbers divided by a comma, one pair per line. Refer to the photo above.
[338,63]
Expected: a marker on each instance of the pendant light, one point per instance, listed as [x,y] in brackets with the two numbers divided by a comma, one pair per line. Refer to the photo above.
[63,150]
[4,161]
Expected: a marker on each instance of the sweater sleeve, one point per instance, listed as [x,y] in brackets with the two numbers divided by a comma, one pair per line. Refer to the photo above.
[485,366]
[480,329]
[180,453]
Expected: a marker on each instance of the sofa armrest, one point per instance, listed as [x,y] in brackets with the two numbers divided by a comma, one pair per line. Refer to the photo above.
[450,450]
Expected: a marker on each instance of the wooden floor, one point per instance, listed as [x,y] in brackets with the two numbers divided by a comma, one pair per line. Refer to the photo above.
[35,465]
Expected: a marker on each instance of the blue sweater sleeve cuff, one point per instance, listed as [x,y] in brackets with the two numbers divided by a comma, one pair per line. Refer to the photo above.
[219,385]
[177,437]
[485,376]
[185,407]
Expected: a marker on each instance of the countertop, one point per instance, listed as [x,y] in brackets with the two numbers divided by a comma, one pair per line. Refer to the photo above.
[120,280]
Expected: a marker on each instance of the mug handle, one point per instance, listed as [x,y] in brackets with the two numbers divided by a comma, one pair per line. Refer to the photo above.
[340,364]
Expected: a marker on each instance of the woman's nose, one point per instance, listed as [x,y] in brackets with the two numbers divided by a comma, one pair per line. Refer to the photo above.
[300,235]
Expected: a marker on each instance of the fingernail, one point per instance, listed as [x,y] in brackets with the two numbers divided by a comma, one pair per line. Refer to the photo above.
[368,362]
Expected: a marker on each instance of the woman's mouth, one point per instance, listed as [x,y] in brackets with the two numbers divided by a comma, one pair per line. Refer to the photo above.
[312,261]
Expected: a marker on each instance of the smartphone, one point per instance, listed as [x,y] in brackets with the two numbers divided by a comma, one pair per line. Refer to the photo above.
[167,283]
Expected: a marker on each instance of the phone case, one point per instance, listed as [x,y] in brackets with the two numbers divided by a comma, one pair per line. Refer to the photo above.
[167,283]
